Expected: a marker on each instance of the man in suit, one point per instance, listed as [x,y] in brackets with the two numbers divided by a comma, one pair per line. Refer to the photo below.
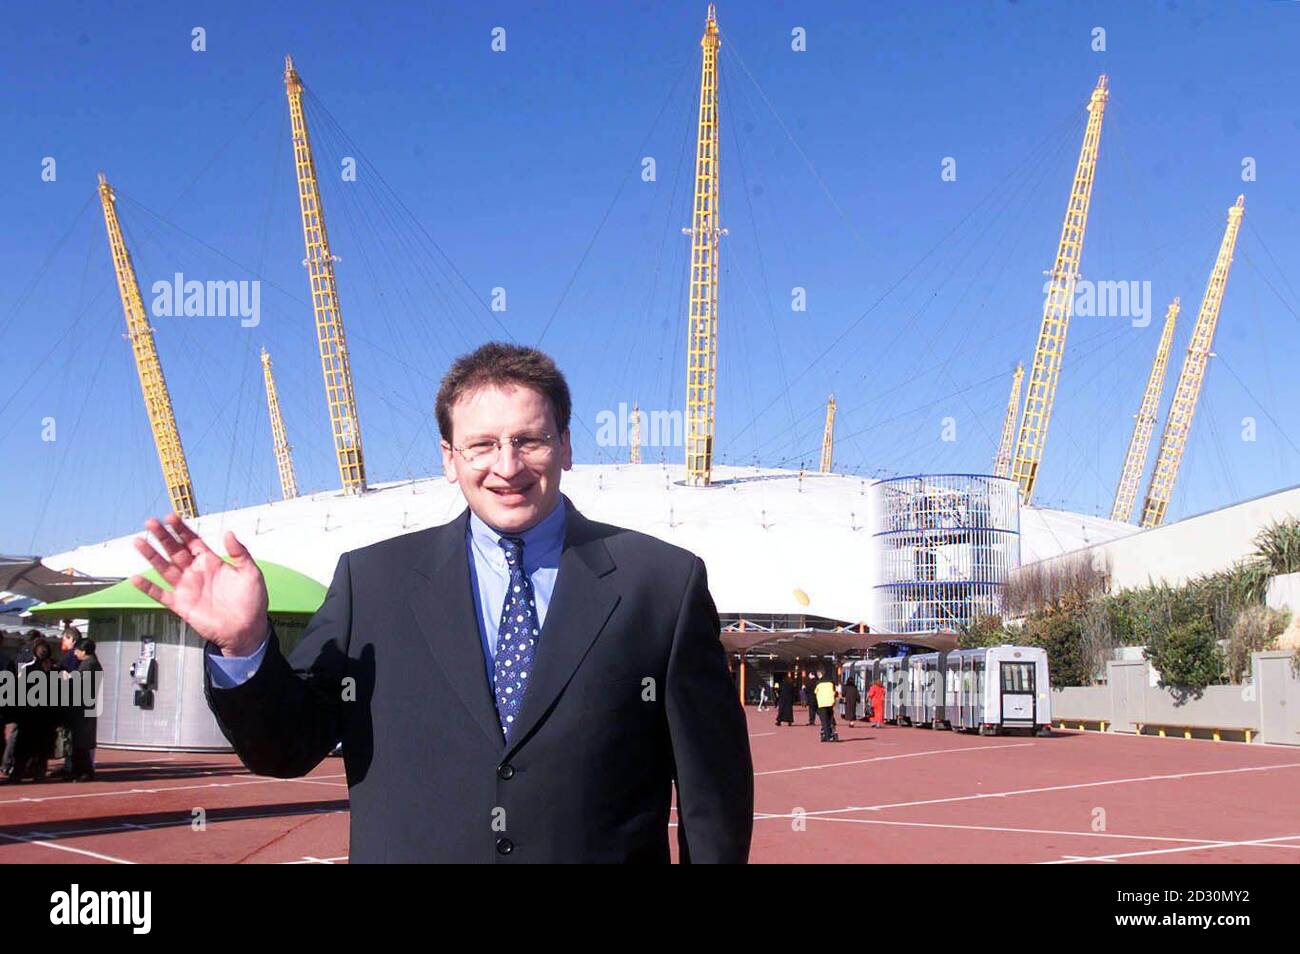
[521,684]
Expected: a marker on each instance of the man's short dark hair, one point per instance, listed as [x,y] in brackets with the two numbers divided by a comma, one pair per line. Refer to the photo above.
[495,364]
[86,645]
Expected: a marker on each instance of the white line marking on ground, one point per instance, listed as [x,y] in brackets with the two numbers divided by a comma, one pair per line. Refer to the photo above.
[1267,842]
[1253,744]
[76,851]
[1196,844]
[309,860]
[252,780]
[183,819]
[315,781]
[887,758]
[998,828]
[1048,788]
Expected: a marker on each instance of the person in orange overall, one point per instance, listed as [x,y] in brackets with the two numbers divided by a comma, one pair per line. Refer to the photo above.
[876,695]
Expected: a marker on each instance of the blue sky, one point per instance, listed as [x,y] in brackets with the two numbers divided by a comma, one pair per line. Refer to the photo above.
[521,170]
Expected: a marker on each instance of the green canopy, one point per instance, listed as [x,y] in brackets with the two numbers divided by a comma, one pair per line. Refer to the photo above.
[289,592]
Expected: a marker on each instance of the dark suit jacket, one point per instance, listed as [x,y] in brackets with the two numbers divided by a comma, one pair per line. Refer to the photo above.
[85,728]
[630,693]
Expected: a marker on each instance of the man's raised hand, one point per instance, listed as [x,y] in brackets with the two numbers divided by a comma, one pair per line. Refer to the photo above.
[225,603]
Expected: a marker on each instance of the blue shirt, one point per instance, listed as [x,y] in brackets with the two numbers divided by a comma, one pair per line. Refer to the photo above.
[488,575]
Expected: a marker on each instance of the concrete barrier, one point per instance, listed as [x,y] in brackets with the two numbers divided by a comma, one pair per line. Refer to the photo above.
[1267,709]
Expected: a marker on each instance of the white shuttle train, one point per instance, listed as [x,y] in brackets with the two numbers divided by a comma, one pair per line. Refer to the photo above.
[987,690]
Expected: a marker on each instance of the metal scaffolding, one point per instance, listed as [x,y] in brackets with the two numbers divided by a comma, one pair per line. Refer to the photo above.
[944,545]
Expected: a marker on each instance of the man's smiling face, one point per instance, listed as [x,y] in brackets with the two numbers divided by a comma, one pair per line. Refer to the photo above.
[513,492]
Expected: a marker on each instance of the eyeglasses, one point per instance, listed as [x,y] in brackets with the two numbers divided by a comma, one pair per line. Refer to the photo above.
[531,448]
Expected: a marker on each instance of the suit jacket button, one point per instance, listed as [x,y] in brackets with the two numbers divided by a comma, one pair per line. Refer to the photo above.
[505,846]
[505,772]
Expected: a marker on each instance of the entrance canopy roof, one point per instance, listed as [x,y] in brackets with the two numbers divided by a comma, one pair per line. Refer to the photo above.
[28,576]
[288,590]
[790,644]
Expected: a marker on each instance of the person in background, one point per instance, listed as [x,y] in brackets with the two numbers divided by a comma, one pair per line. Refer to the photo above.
[763,698]
[850,696]
[68,639]
[85,725]
[21,662]
[27,653]
[785,701]
[824,693]
[8,731]
[811,697]
[36,724]
[876,698]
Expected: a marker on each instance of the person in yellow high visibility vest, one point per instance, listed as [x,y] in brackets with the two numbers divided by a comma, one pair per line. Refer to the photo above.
[825,693]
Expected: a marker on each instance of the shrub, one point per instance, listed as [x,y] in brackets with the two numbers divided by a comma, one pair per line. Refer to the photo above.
[985,631]
[1186,655]
[1039,586]
[1132,612]
[1067,610]
[1255,629]
[1061,634]
[1096,637]
[1278,545]
[1222,596]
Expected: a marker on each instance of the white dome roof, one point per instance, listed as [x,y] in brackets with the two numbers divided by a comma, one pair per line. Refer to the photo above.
[770,540]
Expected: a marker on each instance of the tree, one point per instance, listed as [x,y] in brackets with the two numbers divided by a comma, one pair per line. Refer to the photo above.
[985,631]
[1061,634]
[1186,655]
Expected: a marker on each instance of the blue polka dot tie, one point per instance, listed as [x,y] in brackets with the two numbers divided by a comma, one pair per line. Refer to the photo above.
[516,637]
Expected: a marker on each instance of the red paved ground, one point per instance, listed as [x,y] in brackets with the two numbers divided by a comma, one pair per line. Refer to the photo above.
[892,795]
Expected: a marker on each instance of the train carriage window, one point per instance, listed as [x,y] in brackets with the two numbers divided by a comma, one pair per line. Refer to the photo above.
[1017,677]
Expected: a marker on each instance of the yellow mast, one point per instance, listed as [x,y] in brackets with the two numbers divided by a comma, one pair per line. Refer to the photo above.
[157,401]
[1057,306]
[335,365]
[1135,462]
[1002,461]
[634,455]
[1179,423]
[283,454]
[702,337]
[828,437]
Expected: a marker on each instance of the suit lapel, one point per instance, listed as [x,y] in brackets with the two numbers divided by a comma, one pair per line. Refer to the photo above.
[579,609]
[445,607]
